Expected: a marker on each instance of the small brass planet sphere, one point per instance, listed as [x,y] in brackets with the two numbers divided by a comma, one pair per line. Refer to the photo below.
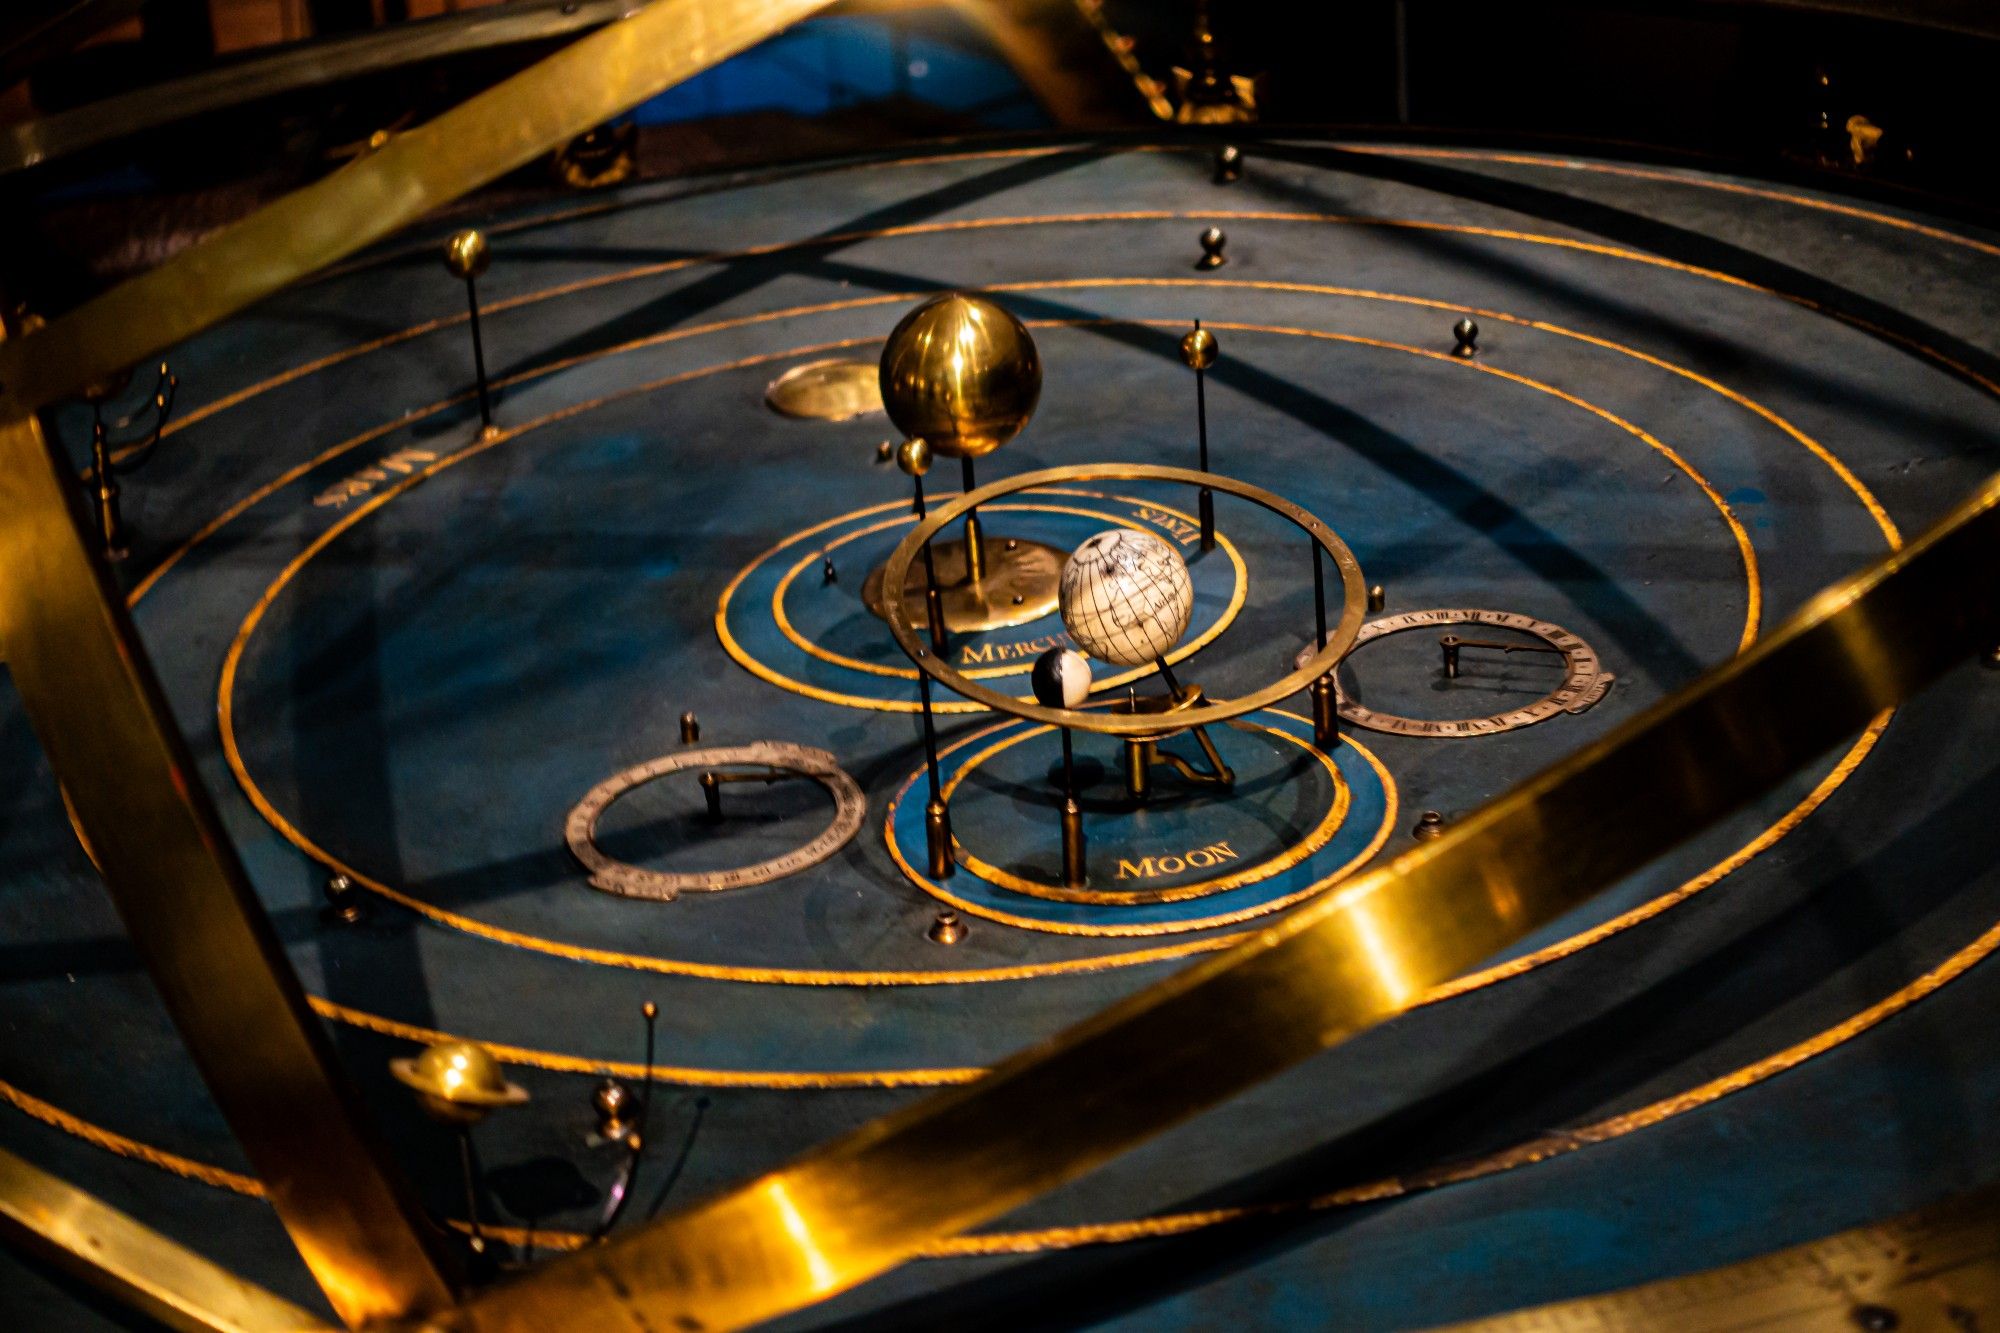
[457,1082]
[914,456]
[466,255]
[961,373]
[1198,349]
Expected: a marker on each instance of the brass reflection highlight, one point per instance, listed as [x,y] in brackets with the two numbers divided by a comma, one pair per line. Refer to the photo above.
[61,1224]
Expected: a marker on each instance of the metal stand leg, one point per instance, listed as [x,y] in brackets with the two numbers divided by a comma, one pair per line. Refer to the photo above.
[933,599]
[1074,873]
[937,817]
[1138,767]
[1207,497]
[975,541]
[479,358]
[104,490]
[1326,716]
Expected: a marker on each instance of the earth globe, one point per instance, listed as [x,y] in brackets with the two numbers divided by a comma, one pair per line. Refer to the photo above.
[1126,597]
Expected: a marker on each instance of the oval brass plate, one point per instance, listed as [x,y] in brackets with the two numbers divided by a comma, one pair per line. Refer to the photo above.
[836,390]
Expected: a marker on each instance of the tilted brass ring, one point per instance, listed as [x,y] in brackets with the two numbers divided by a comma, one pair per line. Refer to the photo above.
[1339,638]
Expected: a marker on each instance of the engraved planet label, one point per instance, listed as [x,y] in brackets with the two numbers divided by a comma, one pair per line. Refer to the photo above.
[1126,597]
[1584,684]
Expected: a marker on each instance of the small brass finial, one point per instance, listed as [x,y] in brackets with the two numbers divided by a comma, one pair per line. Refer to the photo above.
[690,728]
[611,1101]
[1378,597]
[343,901]
[947,929]
[1430,824]
[1466,335]
[466,255]
[1198,349]
[1228,164]
[457,1082]
[649,1011]
[914,456]
[885,451]
[1212,241]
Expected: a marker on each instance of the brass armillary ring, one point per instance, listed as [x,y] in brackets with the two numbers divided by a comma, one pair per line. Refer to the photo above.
[1340,634]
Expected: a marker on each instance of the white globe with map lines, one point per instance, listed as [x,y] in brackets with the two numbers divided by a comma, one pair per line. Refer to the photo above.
[1126,597]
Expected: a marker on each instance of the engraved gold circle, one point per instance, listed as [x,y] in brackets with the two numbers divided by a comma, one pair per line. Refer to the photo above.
[1021,668]
[1354,598]
[1390,802]
[1318,837]
[830,976]
[835,977]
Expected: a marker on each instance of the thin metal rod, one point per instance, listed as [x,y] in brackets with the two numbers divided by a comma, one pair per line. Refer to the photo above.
[478,352]
[1319,597]
[471,1185]
[975,540]
[1201,410]
[1069,766]
[930,737]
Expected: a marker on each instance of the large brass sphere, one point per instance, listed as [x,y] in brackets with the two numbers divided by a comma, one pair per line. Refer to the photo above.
[961,373]
[466,255]
[457,1082]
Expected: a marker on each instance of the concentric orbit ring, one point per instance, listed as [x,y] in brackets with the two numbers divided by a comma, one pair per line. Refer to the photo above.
[1340,636]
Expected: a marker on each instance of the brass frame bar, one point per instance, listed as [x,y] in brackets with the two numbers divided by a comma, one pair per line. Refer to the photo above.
[1937,1268]
[53,1220]
[189,907]
[584,84]
[869,1200]
[290,68]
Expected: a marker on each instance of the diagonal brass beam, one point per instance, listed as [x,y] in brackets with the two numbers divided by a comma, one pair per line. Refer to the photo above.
[53,1220]
[292,68]
[188,905]
[1937,1268]
[584,84]
[869,1200]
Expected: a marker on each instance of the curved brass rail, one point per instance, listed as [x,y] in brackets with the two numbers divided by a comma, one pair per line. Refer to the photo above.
[1340,635]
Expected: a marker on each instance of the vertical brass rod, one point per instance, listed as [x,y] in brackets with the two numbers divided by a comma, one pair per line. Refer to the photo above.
[478,353]
[975,540]
[930,738]
[1205,499]
[1319,597]
[471,1187]
[104,488]
[194,918]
